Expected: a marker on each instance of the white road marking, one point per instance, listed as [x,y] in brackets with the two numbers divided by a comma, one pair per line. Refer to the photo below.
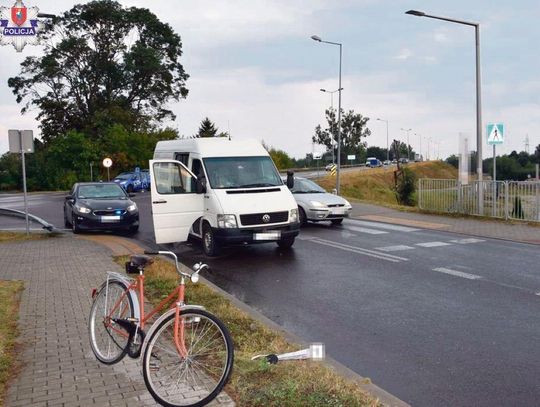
[433,244]
[366,230]
[359,250]
[467,241]
[378,225]
[457,273]
[394,248]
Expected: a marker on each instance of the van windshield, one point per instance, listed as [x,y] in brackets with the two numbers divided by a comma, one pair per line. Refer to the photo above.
[241,172]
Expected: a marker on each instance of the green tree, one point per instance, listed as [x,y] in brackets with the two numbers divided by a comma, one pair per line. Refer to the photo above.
[207,129]
[102,64]
[399,150]
[537,154]
[353,130]
[377,152]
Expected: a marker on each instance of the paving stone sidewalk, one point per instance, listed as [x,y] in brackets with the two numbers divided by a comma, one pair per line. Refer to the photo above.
[58,366]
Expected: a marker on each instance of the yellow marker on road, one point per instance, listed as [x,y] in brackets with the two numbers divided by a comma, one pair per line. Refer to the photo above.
[333,170]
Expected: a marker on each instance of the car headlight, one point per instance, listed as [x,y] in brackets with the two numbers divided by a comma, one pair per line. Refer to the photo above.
[347,203]
[293,216]
[81,209]
[317,204]
[132,207]
[226,221]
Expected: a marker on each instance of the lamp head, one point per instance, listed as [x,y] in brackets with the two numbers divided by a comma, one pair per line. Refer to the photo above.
[316,38]
[416,13]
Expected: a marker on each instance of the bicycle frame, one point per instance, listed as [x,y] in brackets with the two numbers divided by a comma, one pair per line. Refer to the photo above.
[138,287]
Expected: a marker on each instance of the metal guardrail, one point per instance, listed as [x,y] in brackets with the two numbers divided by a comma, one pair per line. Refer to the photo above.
[501,199]
[20,214]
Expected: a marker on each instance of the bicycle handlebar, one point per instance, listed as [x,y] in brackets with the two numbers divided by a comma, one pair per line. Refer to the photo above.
[197,267]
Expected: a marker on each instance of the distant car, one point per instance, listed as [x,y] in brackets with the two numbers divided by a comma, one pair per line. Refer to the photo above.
[130,181]
[329,166]
[386,162]
[145,179]
[317,205]
[100,206]
[404,160]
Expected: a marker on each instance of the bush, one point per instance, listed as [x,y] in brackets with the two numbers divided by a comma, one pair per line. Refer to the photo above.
[406,187]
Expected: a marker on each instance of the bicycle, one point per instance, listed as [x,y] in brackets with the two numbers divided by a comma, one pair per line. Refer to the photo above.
[188,352]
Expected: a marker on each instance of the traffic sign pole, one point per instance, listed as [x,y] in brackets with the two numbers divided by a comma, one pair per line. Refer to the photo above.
[494,199]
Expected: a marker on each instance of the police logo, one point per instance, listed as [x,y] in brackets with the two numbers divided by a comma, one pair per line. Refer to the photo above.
[19,25]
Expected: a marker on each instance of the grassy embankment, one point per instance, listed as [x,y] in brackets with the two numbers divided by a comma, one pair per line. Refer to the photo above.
[10,293]
[257,383]
[377,184]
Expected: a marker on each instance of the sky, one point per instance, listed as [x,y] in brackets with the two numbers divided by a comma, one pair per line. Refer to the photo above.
[256,73]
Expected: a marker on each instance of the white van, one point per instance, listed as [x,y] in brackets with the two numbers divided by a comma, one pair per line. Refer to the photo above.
[221,191]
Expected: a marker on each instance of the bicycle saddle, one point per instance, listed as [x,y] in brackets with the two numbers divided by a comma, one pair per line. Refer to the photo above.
[140,260]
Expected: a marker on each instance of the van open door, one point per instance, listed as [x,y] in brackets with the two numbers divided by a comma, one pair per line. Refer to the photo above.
[175,201]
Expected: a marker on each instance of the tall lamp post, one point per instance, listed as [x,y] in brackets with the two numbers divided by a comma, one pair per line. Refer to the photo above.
[420,138]
[332,107]
[408,145]
[318,39]
[478,95]
[387,146]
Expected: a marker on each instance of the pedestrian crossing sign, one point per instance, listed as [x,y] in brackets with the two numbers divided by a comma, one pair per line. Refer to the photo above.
[495,133]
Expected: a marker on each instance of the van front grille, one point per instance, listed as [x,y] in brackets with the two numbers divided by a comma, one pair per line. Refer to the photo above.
[264,218]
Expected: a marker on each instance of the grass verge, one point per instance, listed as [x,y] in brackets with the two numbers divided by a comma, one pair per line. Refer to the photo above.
[10,293]
[17,236]
[257,383]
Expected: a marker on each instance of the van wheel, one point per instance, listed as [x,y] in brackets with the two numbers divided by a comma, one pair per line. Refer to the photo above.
[129,189]
[210,247]
[286,243]
[337,221]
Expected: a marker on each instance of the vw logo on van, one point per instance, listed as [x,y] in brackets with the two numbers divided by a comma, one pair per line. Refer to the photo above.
[266,218]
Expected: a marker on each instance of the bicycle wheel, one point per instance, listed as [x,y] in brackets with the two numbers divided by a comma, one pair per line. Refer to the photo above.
[109,340]
[198,378]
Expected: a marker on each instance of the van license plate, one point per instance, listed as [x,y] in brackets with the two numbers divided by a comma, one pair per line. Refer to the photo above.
[110,218]
[267,236]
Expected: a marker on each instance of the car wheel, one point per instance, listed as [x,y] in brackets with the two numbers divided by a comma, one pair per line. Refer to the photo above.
[129,189]
[74,226]
[337,221]
[210,247]
[286,243]
[302,216]
[133,229]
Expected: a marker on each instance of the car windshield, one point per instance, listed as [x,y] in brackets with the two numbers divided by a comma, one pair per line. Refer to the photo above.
[124,176]
[101,191]
[241,172]
[305,186]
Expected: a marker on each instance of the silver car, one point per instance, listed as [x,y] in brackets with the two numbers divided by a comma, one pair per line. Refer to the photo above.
[316,205]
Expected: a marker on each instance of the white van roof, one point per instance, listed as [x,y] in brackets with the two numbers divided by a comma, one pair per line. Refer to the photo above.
[213,147]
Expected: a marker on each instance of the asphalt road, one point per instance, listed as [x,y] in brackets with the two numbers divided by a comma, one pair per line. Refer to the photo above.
[435,318]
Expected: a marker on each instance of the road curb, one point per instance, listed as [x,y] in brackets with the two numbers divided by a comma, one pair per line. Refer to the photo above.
[364,383]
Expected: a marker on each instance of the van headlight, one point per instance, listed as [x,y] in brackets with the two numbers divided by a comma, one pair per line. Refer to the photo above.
[293,217]
[132,207]
[226,221]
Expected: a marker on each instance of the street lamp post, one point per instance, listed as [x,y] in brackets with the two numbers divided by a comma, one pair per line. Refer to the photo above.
[318,39]
[420,138]
[387,146]
[408,145]
[332,108]
[478,95]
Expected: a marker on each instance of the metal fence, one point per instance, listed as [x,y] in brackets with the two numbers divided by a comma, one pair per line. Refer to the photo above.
[500,199]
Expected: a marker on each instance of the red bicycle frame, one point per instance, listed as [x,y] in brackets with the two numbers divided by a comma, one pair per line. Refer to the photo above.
[138,287]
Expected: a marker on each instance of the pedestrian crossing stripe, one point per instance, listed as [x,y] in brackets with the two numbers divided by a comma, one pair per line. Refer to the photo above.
[495,133]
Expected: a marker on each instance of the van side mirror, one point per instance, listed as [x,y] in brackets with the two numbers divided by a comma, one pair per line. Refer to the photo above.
[290,179]
[200,185]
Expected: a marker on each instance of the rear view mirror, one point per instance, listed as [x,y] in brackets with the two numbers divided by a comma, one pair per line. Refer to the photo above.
[68,197]
[290,179]
[200,185]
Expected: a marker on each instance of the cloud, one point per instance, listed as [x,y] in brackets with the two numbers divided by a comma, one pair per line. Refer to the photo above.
[404,54]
